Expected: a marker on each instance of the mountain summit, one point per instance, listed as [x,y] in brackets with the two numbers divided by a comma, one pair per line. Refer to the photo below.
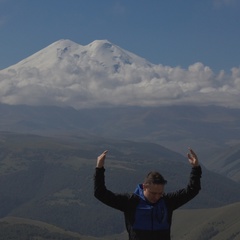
[103,74]
[98,53]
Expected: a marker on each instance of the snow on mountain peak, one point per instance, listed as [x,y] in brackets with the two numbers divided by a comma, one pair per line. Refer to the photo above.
[103,50]
[100,52]
[48,56]
[69,74]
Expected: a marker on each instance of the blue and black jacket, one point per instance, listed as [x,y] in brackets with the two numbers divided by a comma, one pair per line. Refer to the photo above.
[144,220]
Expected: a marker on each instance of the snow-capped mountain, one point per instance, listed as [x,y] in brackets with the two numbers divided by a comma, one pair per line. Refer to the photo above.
[98,53]
[68,74]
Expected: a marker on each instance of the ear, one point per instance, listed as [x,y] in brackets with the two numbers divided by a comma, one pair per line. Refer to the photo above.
[144,187]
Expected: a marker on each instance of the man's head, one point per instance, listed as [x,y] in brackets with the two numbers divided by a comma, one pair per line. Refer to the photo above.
[153,186]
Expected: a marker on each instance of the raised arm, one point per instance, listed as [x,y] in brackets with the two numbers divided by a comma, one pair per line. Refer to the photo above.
[114,200]
[184,195]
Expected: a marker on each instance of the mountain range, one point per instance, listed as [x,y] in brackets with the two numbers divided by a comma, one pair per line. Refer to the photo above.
[212,131]
[102,89]
[67,103]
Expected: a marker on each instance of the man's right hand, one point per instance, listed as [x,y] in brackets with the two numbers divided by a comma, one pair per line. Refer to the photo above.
[101,158]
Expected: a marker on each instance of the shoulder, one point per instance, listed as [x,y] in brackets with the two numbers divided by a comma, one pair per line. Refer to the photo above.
[133,199]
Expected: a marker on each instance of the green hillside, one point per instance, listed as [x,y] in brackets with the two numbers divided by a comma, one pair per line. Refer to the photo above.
[50,179]
[226,162]
[24,229]
[215,224]
[198,224]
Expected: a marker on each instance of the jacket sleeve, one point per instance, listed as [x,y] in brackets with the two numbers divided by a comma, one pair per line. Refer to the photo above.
[182,196]
[114,200]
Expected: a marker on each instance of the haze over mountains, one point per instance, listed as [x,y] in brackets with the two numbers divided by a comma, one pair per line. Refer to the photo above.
[102,74]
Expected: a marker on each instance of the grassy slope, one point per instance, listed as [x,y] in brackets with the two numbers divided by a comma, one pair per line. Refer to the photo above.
[204,224]
[201,224]
[55,189]
[215,224]
[14,221]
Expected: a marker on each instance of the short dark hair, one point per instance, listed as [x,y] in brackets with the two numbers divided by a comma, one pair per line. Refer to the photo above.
[154,177]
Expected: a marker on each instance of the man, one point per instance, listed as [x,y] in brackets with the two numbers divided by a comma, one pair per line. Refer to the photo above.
[148,211]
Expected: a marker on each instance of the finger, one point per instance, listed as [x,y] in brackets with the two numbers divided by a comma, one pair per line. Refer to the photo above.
[190,157]
[192,152]
[105,152]
[103,155]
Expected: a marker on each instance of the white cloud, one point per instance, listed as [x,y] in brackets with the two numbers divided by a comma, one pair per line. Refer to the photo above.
[195,85]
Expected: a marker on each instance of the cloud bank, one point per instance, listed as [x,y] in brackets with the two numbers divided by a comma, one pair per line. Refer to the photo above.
[101,76]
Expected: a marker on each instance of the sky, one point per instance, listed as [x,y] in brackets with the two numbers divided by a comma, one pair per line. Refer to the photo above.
[168,32]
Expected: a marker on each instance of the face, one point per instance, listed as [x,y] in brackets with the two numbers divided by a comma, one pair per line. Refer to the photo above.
[153,192]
